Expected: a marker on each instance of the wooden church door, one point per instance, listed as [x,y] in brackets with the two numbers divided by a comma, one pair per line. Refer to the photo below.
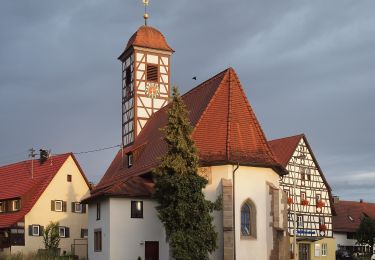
[151,250]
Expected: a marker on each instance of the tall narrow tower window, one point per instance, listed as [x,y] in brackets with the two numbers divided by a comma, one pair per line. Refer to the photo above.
[152,73]
[128,76]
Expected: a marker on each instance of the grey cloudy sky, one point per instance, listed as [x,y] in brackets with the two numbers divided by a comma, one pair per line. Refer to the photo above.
[306,66]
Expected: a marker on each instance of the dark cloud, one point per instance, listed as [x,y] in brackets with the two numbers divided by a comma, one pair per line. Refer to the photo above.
[306,66]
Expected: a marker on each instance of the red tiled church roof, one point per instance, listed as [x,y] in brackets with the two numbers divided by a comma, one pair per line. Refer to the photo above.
[148,37]
[225,131]
[349,214]
[17,182]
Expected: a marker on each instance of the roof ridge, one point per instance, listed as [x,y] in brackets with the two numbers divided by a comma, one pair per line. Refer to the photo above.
[29,160]
[252,114]
[212,98]
[287,137]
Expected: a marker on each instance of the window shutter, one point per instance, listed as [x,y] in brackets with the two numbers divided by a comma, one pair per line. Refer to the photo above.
[73,207]
[64,206]
[52,205]
[30,230]
[67,232]
[84,208]
[81,232]
[41,230]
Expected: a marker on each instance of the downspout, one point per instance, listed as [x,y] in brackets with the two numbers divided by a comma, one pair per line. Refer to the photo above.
[234,210]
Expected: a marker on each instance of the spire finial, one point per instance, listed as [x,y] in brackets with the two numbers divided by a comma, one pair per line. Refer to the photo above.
[145,15]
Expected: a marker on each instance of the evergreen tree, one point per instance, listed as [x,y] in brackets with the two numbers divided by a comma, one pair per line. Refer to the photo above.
[183,209]
[366,232]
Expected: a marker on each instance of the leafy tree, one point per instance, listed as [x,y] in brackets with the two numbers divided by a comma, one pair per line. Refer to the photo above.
[366,232]
[183,209]
[51,237]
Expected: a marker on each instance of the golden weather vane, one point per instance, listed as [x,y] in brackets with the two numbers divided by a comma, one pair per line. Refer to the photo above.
[145,15]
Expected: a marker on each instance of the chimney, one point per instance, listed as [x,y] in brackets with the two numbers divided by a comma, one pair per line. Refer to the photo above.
[43,156]
[335,199]
[361,201]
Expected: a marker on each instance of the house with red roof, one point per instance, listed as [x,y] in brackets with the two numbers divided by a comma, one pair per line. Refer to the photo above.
[234,153]
[346,223]
[35,192]
[310,201]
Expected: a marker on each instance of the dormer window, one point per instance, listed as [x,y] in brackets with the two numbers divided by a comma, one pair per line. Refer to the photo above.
[130,160]
[16,205]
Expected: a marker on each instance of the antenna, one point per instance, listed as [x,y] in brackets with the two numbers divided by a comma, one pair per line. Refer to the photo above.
[32,155]
[145,15]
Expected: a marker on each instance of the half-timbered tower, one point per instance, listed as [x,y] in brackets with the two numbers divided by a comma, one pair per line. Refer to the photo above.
[309,198]
[145,80]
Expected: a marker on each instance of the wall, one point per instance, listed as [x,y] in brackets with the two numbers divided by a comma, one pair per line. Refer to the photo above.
[103,224]
[331,248]
[250,183]
[343,241]
[127,235]
[41,214]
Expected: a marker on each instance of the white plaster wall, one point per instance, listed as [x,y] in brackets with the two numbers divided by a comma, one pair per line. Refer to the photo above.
[41,214]
[252,183]
[103,224]
[127,235]
[342,240]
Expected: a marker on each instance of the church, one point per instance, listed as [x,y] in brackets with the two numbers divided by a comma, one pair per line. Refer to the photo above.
[234,153]
[234,156]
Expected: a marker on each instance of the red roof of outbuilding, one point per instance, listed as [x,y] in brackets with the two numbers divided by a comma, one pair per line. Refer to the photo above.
[225,131]
[17,181]
[349,214]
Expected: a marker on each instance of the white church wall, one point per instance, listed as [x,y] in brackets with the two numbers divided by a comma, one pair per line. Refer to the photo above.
[250,183]
[128,235]
[103,225]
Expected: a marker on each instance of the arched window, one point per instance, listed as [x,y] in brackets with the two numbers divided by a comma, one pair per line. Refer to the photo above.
[248,220]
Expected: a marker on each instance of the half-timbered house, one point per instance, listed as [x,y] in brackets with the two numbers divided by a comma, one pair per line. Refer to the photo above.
[309,199]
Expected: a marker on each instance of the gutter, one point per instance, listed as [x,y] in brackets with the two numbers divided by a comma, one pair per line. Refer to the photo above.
[233,209]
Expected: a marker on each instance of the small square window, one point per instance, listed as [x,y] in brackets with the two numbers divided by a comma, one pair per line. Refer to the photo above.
[136,209]
[152,73]
[300,221]
[62,232]
[35,229]
[84,232]
[97,211]
[97,240]
[69,178]
[2,206]
[130,159]
[77,207]
[16,205]
[58,205]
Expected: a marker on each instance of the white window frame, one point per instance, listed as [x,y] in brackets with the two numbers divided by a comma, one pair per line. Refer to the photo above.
[324,249]
[79,210]
[300,221]
[59,202]
[34,227]
[14,203]
[64,231]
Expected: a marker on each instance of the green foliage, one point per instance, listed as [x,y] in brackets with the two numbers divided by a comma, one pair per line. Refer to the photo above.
[366,231]
[183,209]
[51,237]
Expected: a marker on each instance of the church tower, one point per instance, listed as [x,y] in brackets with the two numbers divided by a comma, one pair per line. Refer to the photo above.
[145,79]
